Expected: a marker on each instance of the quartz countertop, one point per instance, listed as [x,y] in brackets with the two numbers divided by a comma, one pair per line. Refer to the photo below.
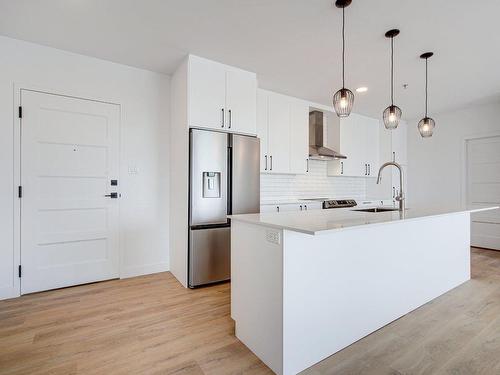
[316,222]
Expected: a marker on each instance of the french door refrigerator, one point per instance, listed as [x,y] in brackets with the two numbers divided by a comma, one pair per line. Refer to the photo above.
[224,179]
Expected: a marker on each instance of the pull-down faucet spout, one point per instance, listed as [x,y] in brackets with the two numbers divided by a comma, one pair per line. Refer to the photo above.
[401,197]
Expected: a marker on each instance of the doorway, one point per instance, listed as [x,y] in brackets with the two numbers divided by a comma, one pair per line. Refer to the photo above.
[69,171]
[483,189]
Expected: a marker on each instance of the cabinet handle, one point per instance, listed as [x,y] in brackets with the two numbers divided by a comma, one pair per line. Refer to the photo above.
[301,207]
[222,124]
[369,170]
[230,119]
[394,156]
[307,165]
[278,208]
[341,167]
[305,206]
[271,162]
[366,169]
[393,191]
[265,157]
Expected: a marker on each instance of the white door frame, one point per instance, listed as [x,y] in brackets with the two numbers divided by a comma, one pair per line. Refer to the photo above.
[18,87]
[463,161]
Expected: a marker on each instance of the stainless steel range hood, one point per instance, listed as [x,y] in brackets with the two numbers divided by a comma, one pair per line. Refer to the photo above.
[317,150]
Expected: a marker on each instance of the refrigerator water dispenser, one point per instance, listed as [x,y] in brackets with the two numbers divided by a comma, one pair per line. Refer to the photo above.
[211,185]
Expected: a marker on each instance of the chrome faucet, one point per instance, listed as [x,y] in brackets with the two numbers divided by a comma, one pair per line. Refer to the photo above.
[401,196]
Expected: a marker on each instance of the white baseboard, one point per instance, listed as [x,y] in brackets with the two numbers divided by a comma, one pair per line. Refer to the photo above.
[9,292]
[144,270]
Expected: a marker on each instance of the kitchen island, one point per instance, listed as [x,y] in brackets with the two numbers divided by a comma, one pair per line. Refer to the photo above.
[304,285]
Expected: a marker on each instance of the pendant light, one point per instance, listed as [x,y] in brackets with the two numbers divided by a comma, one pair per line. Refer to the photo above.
[392,114]
[344,98]
[427,124]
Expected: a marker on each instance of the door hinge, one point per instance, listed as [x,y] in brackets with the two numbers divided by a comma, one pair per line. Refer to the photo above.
[20,271]
[20,191]
[20,113]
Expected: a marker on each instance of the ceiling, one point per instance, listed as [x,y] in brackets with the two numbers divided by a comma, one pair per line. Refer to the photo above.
[293,45]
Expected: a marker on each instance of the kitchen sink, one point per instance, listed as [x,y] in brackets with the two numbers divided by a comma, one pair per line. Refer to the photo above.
[377,209]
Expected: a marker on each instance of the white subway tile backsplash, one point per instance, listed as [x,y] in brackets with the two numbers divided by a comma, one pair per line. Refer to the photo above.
[316,183]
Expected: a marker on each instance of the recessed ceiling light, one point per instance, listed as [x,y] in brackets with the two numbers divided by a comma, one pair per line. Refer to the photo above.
[362,89]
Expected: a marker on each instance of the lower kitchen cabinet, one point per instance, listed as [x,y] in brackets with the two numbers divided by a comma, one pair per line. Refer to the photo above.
[291,207]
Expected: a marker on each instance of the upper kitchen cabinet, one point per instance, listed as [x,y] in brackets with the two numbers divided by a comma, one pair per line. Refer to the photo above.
[282,126]
[221,97]
[299,136]
[398,140]
[241,101]
[358,139]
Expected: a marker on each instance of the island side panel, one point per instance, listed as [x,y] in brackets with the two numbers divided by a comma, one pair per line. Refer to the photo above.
[340,287]
[257,290]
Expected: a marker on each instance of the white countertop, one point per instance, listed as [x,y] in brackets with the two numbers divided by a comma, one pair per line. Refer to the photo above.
[325,221]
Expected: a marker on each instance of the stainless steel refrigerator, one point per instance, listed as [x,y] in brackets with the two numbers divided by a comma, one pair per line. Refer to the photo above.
[224,179]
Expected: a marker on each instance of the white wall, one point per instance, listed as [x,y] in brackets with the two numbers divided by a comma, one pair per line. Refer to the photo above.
[144,100]
[435,165]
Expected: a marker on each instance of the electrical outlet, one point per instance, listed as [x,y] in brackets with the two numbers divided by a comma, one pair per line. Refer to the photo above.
[273,236]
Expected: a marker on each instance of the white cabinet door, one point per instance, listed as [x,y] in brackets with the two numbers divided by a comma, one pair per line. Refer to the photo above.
[351,145]
[370,130]
[313,206]
[269,208]
[279,134]
[398,139]
[207,94]
[299,136]
[359,141]
[241,96]
[262,128]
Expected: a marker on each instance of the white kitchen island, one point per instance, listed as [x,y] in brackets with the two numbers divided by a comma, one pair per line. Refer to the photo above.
[306,284]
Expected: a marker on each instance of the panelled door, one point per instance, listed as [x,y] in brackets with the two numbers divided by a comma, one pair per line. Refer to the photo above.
[69,155]
[483,189]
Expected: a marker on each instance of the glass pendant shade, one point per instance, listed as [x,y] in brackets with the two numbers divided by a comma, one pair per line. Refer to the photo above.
[392,116]
[426,127]
[343,101]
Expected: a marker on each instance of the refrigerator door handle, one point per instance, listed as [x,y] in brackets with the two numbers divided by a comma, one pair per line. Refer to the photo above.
[223,118]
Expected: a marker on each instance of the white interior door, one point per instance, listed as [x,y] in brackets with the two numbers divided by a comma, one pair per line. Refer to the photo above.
[483,189]
[69,154]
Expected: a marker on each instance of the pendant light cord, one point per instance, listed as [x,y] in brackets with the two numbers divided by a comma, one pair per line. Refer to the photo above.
[426,87]
[343,46]
[392,70]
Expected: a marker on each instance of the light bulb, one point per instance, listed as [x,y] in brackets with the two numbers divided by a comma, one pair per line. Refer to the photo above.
[343,102]
[392,117]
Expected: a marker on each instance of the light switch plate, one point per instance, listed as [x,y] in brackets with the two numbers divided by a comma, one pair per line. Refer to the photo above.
[132,169]
[273,236]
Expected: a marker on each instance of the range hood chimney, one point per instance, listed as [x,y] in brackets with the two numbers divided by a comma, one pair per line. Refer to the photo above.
[317,150]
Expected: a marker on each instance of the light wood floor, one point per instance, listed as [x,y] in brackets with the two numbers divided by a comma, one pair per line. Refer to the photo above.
[151,325]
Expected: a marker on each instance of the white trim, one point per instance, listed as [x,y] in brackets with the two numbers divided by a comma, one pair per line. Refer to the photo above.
[17,88]
[16,122]
[144,270]
[463,161]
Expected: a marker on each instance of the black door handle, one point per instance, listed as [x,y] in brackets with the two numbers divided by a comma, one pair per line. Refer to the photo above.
[112,195]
